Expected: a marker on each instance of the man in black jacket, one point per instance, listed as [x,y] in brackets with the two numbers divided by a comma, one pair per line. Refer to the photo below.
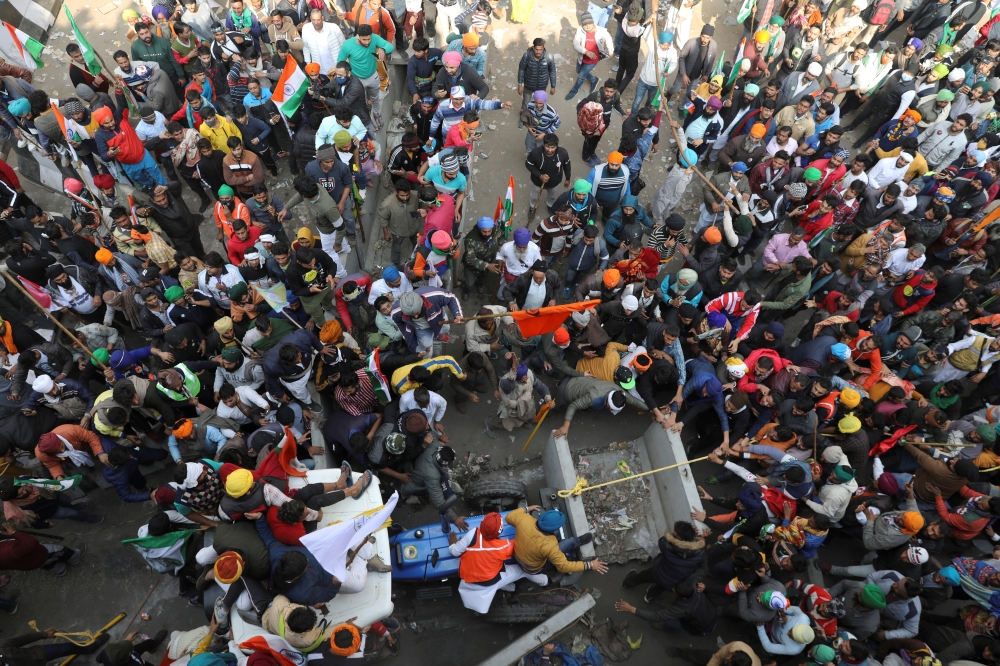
[536,70]
[350,93]
[463,75]
[683,553]
[548,165]
[538,282]
[316,293]
[724,279]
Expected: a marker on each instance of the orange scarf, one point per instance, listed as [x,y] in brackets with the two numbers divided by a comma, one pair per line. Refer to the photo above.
[8,339]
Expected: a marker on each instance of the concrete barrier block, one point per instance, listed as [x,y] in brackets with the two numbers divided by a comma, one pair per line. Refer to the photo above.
[560,473]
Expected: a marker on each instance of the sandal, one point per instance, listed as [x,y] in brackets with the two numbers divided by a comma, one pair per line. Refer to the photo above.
[366,480]
[345,472]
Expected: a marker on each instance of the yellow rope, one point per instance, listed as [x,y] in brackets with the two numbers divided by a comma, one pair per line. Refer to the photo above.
[582,485]
[87,639]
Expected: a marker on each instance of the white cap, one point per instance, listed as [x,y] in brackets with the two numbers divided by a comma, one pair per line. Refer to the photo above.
[918,555]
[630,303]
[906,156]
[42,384]
[815,68]
[860,4]
[268,238]
[957,74]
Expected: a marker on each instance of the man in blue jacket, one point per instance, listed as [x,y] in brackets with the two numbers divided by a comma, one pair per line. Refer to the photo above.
[287,367]
[418,315]
[296,573]
[589,250]
[331,172]
[630,214]
[122,472]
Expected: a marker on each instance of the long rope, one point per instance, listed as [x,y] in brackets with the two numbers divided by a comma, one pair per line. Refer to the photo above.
[582,486]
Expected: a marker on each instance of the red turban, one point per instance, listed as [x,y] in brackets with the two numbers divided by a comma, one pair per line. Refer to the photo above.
[102,114]
[105,181]
[165,495]
[49,443]
[491,525]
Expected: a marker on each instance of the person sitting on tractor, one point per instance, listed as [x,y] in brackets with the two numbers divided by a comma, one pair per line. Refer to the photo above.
[538,550]
[482,566]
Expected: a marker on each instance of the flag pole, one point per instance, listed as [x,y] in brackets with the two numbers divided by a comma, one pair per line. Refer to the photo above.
[93,197]
[666,109]
[76,340]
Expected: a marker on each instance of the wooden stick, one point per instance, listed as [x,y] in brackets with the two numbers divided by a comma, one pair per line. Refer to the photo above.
[545,412]
[55,321]
[477,317]
[815,440]
[534,206]
[289,318]
[666,109]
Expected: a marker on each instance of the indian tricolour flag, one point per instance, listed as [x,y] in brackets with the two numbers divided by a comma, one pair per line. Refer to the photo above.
[68,128]
[20,49]
[379,385]
[291,88]
[89,55]
[505,211]
[164,553]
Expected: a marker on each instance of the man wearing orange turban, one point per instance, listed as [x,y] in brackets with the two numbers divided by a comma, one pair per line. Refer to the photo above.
[482,554]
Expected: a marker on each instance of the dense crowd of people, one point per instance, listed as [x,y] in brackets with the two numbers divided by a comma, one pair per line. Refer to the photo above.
[827,308]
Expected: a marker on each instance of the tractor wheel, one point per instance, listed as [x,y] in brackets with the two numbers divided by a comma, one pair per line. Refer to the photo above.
[505,492]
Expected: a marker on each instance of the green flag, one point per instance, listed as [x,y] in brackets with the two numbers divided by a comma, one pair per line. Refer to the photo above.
[746,9]
[718,64]
[88,51]
[165,553]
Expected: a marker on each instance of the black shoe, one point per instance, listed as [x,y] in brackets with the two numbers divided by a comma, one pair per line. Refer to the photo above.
[15,597]
[586,538]
[160,636]
[652,592]
[626,584]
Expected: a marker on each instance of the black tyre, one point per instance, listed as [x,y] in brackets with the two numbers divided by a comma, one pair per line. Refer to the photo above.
[519,613]
[495,493]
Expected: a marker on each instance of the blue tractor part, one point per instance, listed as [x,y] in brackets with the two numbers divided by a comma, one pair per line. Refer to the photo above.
[421,554]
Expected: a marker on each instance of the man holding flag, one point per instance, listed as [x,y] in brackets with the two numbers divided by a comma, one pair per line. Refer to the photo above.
[118,141]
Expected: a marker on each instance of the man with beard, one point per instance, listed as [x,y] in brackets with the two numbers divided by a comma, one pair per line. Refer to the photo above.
[732,117]
[581,202]
[176,221]
[748,149]
[763,113]
[770,176]
[151,48]
[548,165]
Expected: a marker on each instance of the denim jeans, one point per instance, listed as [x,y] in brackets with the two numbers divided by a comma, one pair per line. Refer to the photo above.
[642,91]
[584,72]
[145,172]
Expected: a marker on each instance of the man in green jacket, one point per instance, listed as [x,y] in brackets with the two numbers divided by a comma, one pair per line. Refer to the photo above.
[322,209]
[591,393]
[150,48]
[362,52]
[789,291]
[397,214]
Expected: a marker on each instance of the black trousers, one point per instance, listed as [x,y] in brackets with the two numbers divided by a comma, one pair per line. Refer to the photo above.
[590,146]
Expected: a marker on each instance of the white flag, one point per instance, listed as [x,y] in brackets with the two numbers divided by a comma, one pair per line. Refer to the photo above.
[330,544]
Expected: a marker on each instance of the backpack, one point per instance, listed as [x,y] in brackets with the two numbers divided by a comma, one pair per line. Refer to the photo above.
[879,13]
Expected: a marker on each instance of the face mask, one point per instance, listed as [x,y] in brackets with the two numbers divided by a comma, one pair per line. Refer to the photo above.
[905,77]
[340,79]
[229,204]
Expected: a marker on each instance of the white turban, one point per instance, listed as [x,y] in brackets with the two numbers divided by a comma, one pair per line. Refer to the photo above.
[956,74]
[736,367]
[581,318]
[630,303]
[194,471]
[815,68]
[42,384]
[906,156]
[860,4]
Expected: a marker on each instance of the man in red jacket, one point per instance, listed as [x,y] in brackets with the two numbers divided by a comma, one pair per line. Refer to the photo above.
[913,295]
[351,299]
[21,552]
[969,520]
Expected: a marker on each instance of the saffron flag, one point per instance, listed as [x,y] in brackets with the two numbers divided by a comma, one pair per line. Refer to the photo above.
[20,49]
[546,320]
[89,55]
[291,88]
[68,130]
[379,384]
[276,646]
[504,212]
[165,554]
[330,544]
[39,294]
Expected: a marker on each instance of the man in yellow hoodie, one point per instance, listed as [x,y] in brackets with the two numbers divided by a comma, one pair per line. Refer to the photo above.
[537,549]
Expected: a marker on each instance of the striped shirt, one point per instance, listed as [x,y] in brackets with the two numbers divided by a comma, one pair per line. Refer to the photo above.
[729,305]
[362,401]
[447,115]
[547,119]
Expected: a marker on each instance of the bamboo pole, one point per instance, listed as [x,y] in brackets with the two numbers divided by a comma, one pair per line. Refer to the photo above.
[103,630]
[545,412]
[666,109]
[55,321]
[93,197]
